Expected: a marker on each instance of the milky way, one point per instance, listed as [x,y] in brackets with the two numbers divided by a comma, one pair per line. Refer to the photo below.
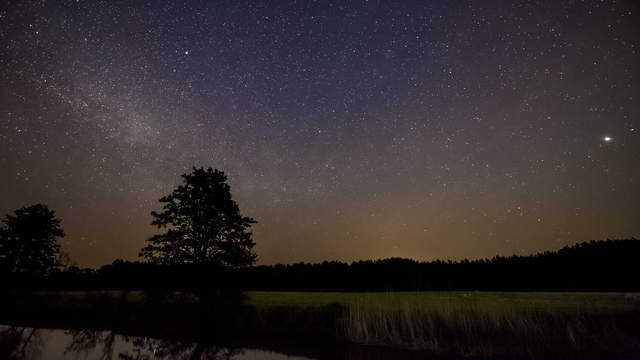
[426,129]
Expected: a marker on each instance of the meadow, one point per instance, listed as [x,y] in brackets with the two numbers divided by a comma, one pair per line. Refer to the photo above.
[557,301]
[480,324]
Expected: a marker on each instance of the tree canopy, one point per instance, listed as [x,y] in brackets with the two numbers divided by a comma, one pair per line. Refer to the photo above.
[28,240]
[203,225]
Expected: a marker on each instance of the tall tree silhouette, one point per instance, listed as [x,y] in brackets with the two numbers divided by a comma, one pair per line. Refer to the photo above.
[203,223]
[28,241]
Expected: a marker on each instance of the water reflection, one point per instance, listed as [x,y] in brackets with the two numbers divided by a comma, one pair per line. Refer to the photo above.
[19,342]
[32,343]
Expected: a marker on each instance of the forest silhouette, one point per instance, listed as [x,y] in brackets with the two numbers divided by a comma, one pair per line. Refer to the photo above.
[207,244]
[610,265]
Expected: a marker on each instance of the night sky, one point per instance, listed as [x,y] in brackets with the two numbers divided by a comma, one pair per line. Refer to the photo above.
[349,130]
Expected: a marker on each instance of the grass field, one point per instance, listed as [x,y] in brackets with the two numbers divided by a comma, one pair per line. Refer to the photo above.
[386,301]
[480,324]
[489,301]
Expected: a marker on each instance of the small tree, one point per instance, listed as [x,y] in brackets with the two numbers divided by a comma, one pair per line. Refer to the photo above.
[28,241]
[203,223]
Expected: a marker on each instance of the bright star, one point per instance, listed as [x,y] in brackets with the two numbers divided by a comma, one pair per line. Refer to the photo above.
[607,138]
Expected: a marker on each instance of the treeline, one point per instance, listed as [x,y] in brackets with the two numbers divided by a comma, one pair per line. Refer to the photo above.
[611,265]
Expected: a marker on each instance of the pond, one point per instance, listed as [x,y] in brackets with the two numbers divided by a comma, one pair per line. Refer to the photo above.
[19,342]
[58,344]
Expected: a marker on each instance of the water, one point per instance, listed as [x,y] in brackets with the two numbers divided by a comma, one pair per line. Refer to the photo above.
[57,344]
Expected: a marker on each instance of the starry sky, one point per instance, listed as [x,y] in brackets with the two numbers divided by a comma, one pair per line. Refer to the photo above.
[349,130]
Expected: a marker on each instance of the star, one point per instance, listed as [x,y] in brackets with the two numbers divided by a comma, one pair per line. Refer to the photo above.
[412,114]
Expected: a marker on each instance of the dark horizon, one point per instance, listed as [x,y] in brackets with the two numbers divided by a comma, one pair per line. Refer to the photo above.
[443,260]
[541,252]
[596,266]
[351,131]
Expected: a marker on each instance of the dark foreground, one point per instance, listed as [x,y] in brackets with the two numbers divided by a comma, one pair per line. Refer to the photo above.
[145,325]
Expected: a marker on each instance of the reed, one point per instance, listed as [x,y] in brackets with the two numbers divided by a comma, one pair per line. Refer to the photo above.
[476,327]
